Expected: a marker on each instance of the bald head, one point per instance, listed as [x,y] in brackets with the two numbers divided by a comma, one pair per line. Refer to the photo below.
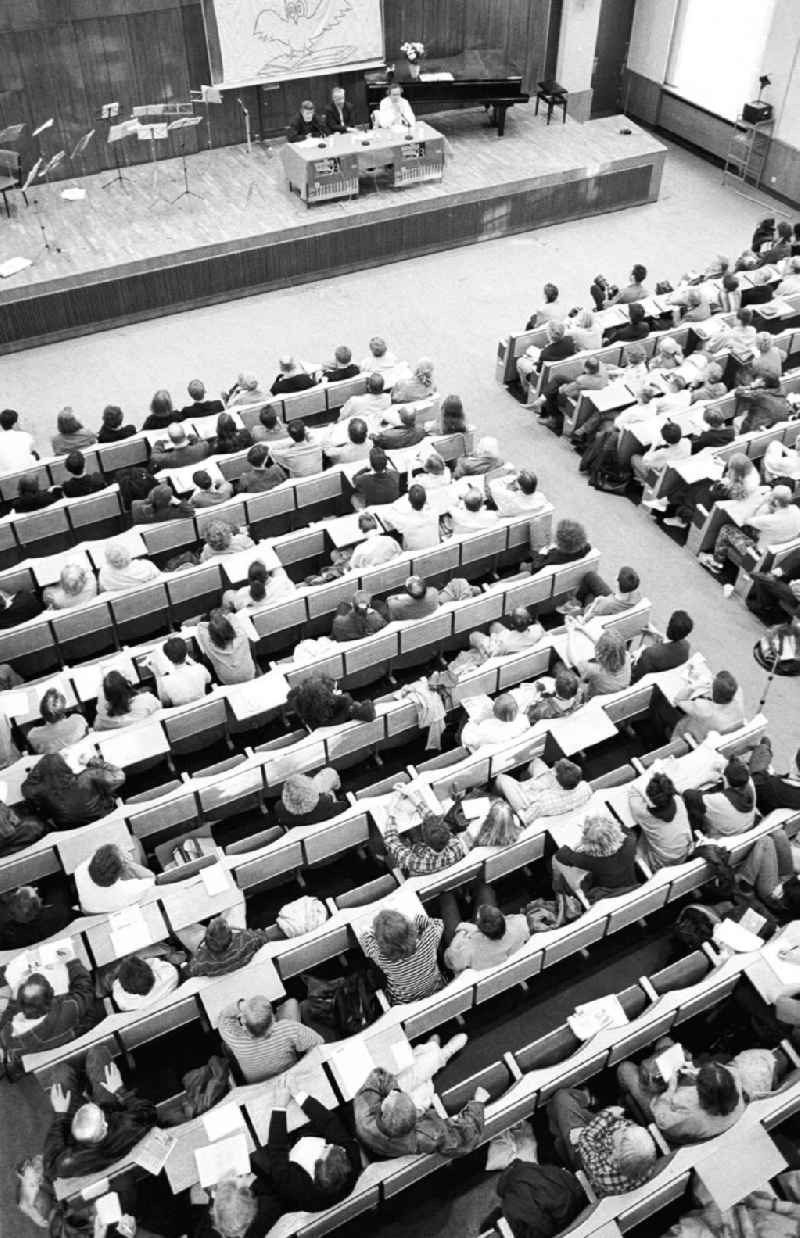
[89,1125]
[176,433]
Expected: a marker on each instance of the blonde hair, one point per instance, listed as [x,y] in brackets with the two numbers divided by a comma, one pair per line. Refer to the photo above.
[610,651]
[73,578]
[601,836]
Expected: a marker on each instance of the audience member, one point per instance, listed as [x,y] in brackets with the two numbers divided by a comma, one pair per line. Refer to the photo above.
[358,619]
[110,880]
[469,515]
[377,485]
[666,654]
[727,808]
[545,792]
[522,633]
[718,433]
[121,703]
[377,547]
[616,1155]
[181,451]
[673,446]
[516,496]
[505,723]
[76,585]
[262,474]
[230,437]
[586,333]
[222,539]
[488,941]
[179,680]
[26,920]
[661,815]
[93,1129]
[226,645]
[485,462]
[775,519]
[357,446]
[407,434]
[389,1123]
[407,953]
[723,711]
[420,385]
[451,417]
[558,702]
[142,982]
[635,290]
[317,703]
[59,729]
[610,668]
[570,544]
[342,366]
[160,504]
[36,1019]
[291,377]
[432,845]
[773,790]
[268,428]
[209,493]
[121,571]
[80,483]
[224,949]
[303,456]
[112,429]
[16,446]
[416,600]
[245,392]
[416,520]
[307,800]
[328,1170]
[68,799]
[261,590]
[372,405]
[200,406]
[698,1103]
[604,858]
[596,599]
[550,310]
[265,1042]
[30,498]
[71,435]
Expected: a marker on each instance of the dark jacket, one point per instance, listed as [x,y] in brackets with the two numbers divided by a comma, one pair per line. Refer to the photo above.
[764,409]
[106,435]
[289,1181]
[717,436]
[339,374]
[129,1119]
[662,657]
[554,557]
[355,626]
[299,129]
[255,481]
[451,1136]
[239,441]
[377,488]
[143,512]
[398,437]
[608,872]
[191,452]
[70,1015]
[246,942]
[557,351]
[68,799]
[332,121]
[35,502]
[773,791]
[155,421]
[87,483]
[294,382]
[323,811]
[202,408]
[539,1201]
[23,605]
[50,920]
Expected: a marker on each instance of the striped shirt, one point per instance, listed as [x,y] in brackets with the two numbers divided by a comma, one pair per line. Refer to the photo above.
[261,1057]
[407,980]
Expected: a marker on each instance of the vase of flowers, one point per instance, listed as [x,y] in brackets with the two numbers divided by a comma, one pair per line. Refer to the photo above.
[414,53]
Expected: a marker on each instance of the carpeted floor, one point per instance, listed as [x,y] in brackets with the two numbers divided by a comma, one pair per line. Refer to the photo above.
[451,306]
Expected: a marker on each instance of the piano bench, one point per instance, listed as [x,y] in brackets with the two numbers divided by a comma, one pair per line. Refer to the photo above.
[554,96]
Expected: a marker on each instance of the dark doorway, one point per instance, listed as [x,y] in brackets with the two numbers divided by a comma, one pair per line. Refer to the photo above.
[610,53]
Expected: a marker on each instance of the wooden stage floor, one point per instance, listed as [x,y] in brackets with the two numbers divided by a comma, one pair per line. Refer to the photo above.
[129,252]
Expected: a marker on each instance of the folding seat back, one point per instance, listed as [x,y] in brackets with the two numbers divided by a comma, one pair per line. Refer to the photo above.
[112,457]
[196,728]
[194,592]
[337,394]
[9,482]
[97,516]
[141,614]
[152,817]
[84,632]
[269,512]
[233,512]
[58,467]
[44,532]
[31,648]
[168,538]
[10,551]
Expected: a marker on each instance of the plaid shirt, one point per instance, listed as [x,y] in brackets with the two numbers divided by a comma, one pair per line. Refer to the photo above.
[545,798]
[596,1149]
[417,859]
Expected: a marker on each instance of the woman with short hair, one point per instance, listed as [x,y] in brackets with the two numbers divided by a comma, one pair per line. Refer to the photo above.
[230,437]
[604,856]
[76,585]
[223,539]
[68,799]
[610,668]
[122,571]
[71,434]
[407,953]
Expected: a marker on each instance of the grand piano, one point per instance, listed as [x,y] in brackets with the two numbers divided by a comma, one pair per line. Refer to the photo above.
[479,78]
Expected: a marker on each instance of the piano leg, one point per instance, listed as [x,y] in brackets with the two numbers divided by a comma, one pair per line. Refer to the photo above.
[500,112]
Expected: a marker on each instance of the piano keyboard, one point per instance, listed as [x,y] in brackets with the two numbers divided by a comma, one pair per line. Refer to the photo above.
[339,188]
[418,172]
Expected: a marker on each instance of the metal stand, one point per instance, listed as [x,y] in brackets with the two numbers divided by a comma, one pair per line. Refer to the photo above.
[186,192]
[118,178]
[770,676]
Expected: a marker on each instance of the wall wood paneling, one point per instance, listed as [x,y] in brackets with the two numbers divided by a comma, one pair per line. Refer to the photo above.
[65,58]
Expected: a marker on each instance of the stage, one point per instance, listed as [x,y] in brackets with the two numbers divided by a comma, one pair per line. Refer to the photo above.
[129,251]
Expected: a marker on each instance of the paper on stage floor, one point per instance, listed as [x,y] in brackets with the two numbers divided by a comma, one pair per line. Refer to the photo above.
[12,266]
[227,1156]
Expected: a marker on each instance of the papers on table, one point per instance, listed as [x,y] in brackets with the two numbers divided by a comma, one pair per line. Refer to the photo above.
[776,973]
[128,931]
[267,692]
[62,951]
[669,1061]
[14,704]
[215,879]
[704,466]
[222,1120]
[729,933]
[583,729]
[182,479]
[407,809]
[403,900]
[152,1151]
[593,1017]
[88,679]
[218,1160]
[12,266]
[776,308]
[436,77]
[237,565]
[476,809]
[351,1061]
[344,530]
[108,1209]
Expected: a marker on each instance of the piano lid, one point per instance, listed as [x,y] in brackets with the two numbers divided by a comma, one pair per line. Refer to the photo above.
[476,65]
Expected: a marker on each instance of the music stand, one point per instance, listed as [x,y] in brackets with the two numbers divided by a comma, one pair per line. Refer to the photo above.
[184,123]
[207,95]
[12,133]
[29,179]
[116,134]
[246,114]
[44,174]
[79,150]
[152,134]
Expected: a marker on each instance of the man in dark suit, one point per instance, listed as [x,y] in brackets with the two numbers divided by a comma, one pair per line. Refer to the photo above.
[200,406]
[306,124]
[18,607]
[339,114]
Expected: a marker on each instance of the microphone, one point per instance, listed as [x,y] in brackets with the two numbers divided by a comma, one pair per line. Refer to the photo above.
[241,105]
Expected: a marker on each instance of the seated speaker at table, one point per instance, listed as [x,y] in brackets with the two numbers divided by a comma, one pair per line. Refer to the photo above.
[395,111]
[307,123]
[340,115]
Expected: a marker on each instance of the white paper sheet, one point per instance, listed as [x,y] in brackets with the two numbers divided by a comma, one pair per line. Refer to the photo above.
[128,931]
[593,1017]
[108,1208]
[228,1156]
[223,1120]
[151,1153]
[215,879]
[669,1061]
